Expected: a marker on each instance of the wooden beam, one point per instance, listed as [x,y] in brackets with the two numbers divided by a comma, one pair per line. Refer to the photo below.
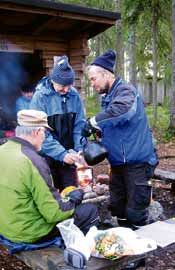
[50,46]
[78,16]
[42,26]
[20,46]
[82,52]
[77,60]
[31,38]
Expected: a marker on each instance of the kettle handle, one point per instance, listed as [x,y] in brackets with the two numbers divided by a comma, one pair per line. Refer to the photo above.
[84,140]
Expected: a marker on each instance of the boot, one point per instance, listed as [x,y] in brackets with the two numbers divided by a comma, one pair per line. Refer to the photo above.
[122,222]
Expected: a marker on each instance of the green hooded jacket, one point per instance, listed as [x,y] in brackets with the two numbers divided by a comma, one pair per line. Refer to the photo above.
[29,204]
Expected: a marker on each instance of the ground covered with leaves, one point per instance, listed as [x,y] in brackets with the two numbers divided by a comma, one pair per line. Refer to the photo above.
[161,260]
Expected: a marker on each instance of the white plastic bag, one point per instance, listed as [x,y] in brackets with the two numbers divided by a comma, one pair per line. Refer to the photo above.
[74,238]
[70,232]
[118,242]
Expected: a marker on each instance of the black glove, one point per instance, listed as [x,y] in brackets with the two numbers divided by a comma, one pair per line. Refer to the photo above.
[88,129]
[76,196]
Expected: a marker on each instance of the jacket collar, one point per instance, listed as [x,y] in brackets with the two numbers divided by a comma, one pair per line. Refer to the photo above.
[115,84]
[22,142]
[45,85]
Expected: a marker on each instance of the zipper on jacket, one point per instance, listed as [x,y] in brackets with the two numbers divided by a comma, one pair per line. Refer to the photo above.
[123,151]
[64,104]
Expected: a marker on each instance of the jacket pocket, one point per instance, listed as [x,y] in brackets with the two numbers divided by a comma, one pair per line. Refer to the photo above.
[149,169]
[142,197]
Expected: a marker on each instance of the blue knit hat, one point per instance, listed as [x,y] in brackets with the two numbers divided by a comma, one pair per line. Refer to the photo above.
[62,72]
[106,60]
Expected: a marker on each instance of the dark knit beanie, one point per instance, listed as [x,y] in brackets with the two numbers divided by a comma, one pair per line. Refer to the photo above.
[62,73]
[106,60]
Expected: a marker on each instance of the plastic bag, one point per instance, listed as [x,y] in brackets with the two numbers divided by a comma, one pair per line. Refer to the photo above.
[74,238]
[118,242]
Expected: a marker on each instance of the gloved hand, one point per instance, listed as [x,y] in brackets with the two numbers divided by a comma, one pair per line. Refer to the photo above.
[89,128]
[76,196]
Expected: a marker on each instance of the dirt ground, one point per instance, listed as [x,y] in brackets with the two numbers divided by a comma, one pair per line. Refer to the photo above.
[162,193]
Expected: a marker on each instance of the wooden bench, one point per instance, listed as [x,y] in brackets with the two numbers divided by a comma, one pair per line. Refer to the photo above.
[51,258]
[166,176]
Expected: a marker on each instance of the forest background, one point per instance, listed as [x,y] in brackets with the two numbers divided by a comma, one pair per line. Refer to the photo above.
[144,40]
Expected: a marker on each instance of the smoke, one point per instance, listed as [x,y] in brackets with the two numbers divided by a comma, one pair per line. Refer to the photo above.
[12,78]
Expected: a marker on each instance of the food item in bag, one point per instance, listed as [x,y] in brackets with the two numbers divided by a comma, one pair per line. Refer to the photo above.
[111,246]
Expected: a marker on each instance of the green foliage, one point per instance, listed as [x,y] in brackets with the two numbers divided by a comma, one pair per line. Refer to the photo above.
[163,117]
[139,14]
[168,135]
[92,106]
[163,133]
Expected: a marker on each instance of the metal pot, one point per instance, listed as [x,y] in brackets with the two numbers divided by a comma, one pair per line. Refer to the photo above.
[94,152]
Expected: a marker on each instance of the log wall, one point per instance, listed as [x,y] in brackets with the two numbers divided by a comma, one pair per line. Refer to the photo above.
[76,49]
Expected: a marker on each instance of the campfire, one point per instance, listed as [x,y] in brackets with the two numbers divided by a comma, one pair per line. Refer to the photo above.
[85,176]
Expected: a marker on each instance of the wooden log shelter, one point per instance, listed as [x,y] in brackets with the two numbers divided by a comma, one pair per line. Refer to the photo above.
[32,34]
[39,30]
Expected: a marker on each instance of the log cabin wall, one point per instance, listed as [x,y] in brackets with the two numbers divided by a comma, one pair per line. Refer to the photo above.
[76,50]
[53,29]
[33,33]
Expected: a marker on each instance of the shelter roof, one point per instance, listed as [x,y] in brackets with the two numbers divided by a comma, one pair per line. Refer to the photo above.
[53,19]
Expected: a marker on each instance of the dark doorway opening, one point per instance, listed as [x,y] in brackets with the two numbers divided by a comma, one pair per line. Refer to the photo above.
[18,71]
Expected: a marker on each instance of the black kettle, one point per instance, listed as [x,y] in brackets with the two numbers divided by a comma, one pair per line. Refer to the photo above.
[94,152]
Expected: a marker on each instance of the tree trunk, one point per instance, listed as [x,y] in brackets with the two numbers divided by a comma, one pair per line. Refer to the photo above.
[132,57]
[172,108]
[119,69]
[154,83]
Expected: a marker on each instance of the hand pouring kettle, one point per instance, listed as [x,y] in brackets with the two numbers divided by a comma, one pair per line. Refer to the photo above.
[94,152]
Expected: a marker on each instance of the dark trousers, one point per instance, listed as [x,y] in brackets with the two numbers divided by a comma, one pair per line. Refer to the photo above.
[85,216]
[130,192]
[64,175]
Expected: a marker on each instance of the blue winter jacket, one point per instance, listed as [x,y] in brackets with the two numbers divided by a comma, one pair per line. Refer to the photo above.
[65,116]
[22,103]
[125,130]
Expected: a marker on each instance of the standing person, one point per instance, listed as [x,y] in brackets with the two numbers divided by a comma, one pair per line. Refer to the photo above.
[30,206]
[56,96]
[23,102]
[126,135]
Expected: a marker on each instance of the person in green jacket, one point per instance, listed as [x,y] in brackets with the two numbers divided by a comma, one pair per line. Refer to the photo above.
[30,206]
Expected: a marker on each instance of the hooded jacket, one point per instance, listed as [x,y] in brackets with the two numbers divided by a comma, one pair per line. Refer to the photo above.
[125,130]
[65,116]
[29,204]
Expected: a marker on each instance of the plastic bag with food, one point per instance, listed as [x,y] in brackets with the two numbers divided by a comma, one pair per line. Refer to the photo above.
[118,242]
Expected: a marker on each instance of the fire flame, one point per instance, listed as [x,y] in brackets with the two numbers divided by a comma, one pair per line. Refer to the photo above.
[84,176]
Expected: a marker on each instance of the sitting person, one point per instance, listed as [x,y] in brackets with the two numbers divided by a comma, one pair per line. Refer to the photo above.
[23,101]
[30,206]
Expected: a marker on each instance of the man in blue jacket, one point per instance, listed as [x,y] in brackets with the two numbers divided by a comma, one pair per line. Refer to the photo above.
[56,96]
[126,135]
[23,102]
